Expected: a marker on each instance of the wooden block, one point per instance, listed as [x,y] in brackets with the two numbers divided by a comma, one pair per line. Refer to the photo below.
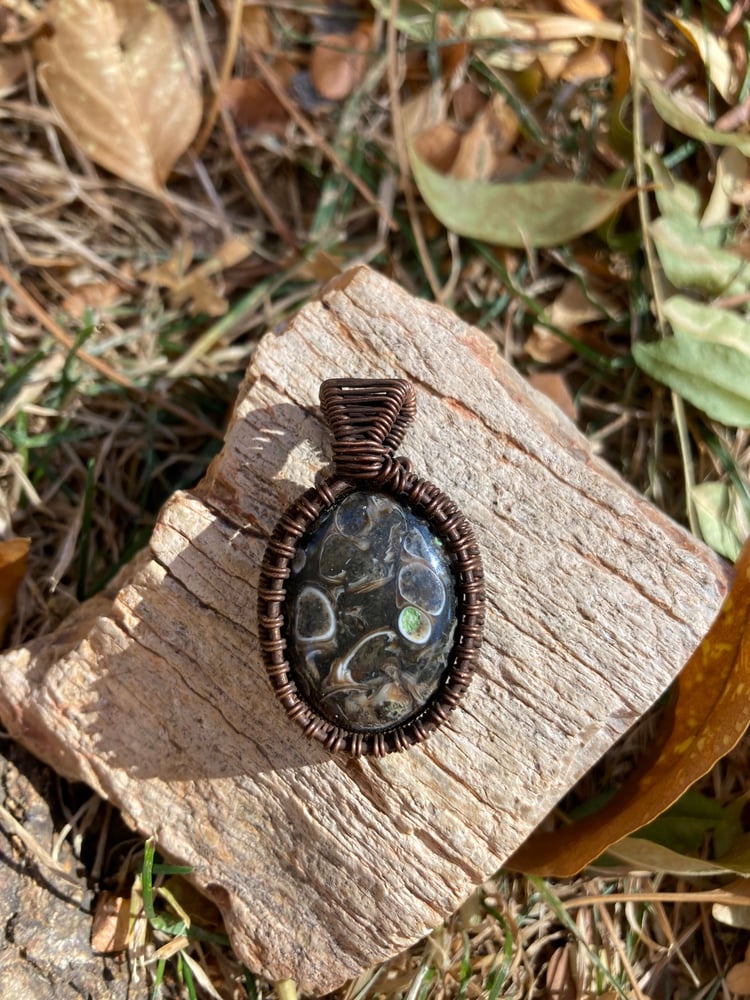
[155,693]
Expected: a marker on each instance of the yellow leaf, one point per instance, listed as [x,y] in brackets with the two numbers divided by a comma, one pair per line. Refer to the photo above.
[13,555]
[117,77]
[707,717]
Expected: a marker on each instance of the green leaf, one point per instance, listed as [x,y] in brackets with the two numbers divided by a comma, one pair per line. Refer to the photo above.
[713,377]
[689,318]
[147,879]
[710,323]
[673,197]
[692,258]
[532,214]
[684,120]
[721,518]
[645,855]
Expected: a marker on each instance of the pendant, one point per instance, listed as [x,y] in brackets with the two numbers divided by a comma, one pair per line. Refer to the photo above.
[371,596]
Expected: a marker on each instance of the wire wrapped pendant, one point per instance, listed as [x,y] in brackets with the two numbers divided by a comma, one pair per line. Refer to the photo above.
[371,596]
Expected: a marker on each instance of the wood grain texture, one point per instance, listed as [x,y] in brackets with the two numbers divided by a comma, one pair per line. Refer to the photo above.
[155,694]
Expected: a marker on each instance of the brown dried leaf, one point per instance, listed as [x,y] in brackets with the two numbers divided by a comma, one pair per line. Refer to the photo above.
[423,111]
[707,717]
[13,555]
[554,387]
[467,101]
[255,30]
[117,77]
[559,983]
[173,270]
[737,979]
[111,924]
[730,183]
[252,104]
[570,310]
[714,51]
[590,63]
[94,295]
[338,63]
[555,56]
[12,68]
[439,145]
[452,53]
[492,135]
[195,284]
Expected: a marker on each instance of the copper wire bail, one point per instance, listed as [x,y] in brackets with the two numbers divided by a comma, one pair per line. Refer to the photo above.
[368,419]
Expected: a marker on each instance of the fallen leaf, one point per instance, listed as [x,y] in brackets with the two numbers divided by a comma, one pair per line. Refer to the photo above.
[673,197]
[13,557]
[679,115]
[116,75]
[338,63]
[714,53]
[713,377]
[255,30]
[644,855]
[493,134]
[708,715]
[555,56]
[534,27]
[467,101]
[689,318]
[533,214]
[252,104]
[452,52]
[439,145]
[707,361]
[171,271]
[554,387]
[729,188]
[693,260]
[423,111]
[737,979]
[571,309]
[722,517]
[111,924]
[558,980]
[590,63]
[96,295]
[12,68]
[194,284]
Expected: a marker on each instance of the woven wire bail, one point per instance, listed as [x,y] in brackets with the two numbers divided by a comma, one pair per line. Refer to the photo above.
[368,419]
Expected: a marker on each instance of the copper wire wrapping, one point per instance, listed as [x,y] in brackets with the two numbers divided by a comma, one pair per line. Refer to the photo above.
[368,420]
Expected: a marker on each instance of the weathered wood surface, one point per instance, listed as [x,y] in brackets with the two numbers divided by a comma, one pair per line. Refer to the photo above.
[155,694]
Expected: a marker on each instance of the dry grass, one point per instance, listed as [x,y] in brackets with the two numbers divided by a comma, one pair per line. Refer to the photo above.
[115,390]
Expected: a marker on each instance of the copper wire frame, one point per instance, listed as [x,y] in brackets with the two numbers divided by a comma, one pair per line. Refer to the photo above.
[368,419]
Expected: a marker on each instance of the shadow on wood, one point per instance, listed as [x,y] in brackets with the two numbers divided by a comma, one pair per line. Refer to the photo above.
[155,694]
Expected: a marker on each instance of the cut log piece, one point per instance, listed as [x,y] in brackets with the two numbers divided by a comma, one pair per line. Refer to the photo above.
[155,693]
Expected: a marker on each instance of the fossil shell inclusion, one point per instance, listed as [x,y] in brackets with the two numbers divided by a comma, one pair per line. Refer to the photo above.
[370,614]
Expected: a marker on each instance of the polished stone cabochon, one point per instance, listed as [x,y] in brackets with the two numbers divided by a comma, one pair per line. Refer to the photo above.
[370,614]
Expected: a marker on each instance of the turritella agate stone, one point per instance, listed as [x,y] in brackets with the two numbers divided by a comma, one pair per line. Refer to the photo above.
[370,614]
